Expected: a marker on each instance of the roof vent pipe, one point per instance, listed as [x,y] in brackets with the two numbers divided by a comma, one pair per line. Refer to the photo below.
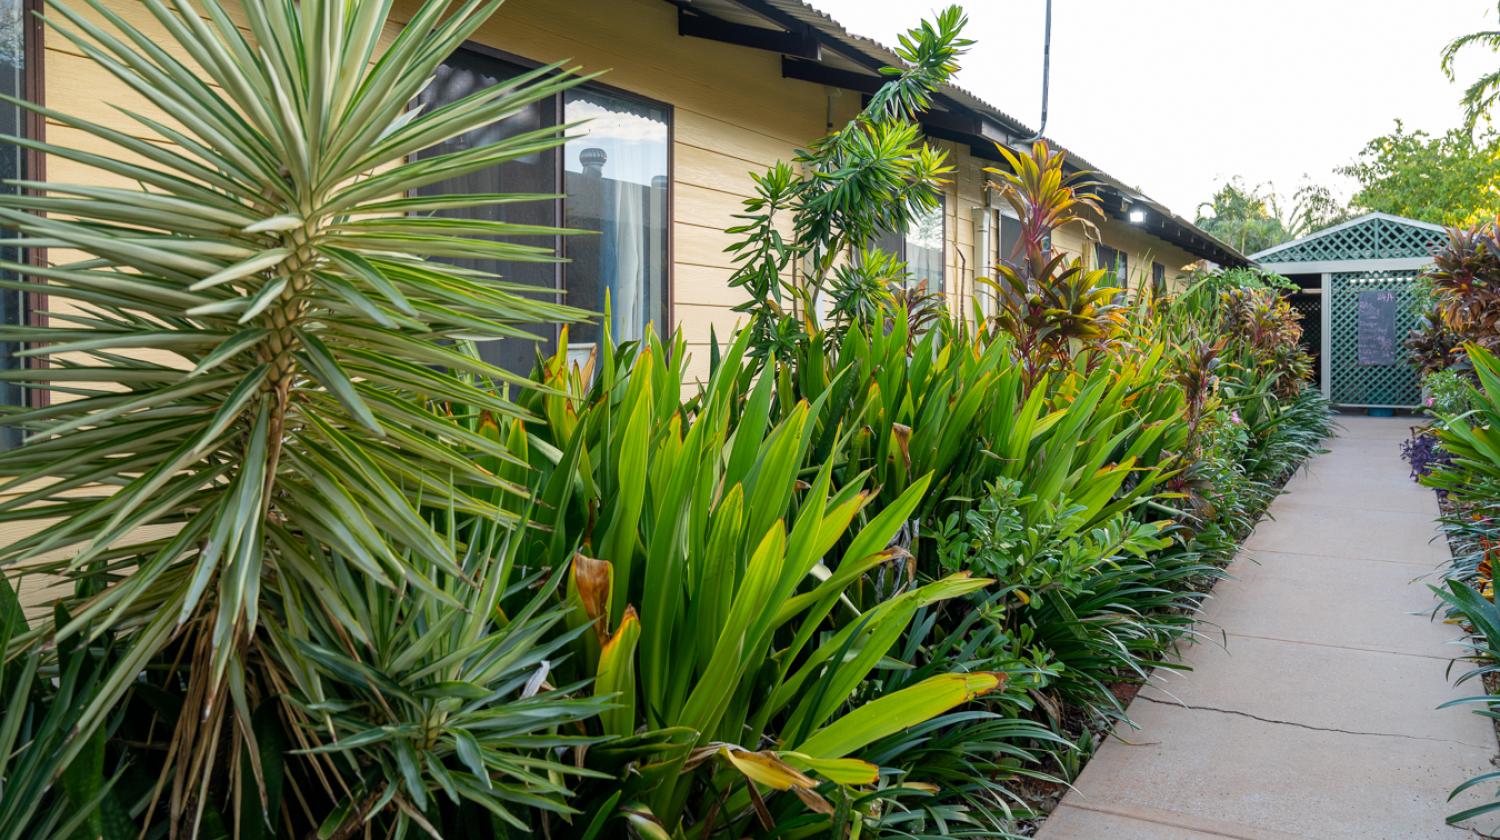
[1046,73]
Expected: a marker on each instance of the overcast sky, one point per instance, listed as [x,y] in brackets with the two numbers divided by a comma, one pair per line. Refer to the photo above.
[1174,96]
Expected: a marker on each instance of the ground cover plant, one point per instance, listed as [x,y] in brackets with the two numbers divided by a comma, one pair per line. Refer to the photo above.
[1467,478]
[1456,453]
[326,572]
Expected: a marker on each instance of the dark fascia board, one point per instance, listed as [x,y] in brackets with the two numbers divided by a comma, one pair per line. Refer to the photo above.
[961,126]
[789,23]
[800,41]
[818,73]
[1113,202]
[1166,229]
[991,130]
[994,133]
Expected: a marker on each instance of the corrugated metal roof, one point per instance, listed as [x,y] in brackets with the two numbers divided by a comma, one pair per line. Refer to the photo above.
[804,13]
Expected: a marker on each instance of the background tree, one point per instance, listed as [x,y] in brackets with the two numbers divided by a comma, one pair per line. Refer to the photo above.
[1453,179]
[1239,215]
[1482,93]
[1256,218]
[1312,207]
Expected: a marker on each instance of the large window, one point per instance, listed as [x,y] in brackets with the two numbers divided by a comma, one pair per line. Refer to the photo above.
[1114,261]
[921,246]
[614,175]
[924,247]
[1004,240]
[1009,238]
[615,178]
[17,79]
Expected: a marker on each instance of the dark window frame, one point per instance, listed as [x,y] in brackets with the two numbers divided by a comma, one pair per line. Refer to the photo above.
[1002,253]
[1117,259]
[34,125]
[669,310]
[901,251]
[1158,278]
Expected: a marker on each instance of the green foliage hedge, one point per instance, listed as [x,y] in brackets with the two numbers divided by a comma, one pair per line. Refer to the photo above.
[328,573]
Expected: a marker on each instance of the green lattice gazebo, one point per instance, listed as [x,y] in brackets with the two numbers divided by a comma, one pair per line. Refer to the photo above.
[1335,268]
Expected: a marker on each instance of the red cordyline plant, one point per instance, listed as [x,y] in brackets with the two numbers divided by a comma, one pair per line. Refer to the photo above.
[1466,283]
[1432,345]
[1263,322]
[1198,374]
[1052,306]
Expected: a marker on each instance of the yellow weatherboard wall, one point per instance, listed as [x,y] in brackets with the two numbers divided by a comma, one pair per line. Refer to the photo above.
[733,114]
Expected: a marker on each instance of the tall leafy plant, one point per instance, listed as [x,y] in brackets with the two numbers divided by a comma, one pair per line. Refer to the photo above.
[866,179]
[1465,282]
[1473,474]
[716,588]
[244,359]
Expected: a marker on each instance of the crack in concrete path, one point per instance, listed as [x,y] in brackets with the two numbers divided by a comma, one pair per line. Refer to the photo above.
[1307,726]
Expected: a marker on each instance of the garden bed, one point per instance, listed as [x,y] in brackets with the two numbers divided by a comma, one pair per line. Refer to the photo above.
[1455,456]
[331,572]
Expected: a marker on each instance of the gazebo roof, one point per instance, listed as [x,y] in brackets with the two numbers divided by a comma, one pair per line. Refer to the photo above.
[1373,241]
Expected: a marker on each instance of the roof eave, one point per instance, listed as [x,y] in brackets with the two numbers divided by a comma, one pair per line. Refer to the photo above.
[991,125]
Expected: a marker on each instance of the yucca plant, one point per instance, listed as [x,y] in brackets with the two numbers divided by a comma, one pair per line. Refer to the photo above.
[244,448]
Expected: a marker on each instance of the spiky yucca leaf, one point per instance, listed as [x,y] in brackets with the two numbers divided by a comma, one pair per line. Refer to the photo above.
[246,350]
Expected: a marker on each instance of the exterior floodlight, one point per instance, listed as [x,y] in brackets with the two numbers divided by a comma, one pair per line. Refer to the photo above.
[1137,216]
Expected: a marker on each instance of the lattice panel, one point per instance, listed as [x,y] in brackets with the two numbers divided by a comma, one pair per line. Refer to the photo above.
[1351,383]
[1311,309]
[1373,239]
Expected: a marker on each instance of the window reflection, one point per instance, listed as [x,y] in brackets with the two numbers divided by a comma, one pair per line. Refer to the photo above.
[924,247]
[615,177]
[13,310]
[463,74]
[920,246]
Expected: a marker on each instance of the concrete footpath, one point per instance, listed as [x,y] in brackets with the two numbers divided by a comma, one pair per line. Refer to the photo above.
[1310,711]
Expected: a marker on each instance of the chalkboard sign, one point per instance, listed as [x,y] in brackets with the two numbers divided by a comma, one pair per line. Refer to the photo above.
[1377,328]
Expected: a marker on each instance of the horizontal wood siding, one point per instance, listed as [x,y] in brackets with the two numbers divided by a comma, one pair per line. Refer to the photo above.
[733,114]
